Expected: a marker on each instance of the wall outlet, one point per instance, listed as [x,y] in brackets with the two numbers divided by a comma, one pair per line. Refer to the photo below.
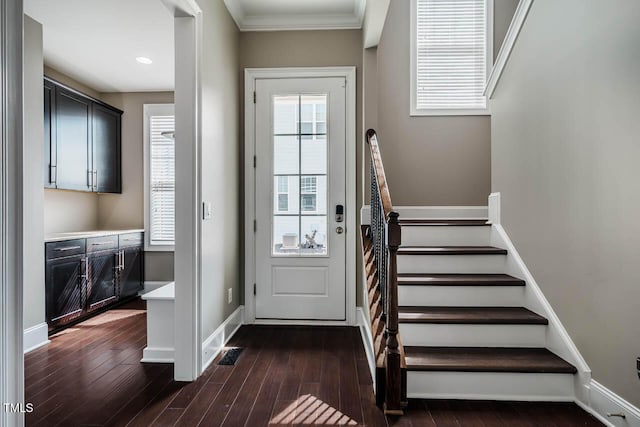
[229,295]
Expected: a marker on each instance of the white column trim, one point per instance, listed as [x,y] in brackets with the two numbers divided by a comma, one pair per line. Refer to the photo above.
[35,337]
[11,263]
[188,54]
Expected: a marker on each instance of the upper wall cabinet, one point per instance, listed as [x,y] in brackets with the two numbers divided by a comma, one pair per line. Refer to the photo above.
[82,141]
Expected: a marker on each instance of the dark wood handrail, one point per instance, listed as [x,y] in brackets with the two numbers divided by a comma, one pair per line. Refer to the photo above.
[386,236]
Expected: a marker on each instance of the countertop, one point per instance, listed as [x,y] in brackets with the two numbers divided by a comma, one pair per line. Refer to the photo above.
[57,237]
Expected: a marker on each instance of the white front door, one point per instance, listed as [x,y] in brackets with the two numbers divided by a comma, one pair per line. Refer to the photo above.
[300,197]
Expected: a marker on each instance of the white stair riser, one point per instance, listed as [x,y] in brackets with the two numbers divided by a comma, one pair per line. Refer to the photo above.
[454,335]
[461,296]
[445,235]
[452,264]
[490,386]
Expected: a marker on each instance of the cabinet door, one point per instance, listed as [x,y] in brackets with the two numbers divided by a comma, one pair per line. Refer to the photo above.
[49,135]
[106,137]
[132,275]
[73,113]
[101,286]
[65,281]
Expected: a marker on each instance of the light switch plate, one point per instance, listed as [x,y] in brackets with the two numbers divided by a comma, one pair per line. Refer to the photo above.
[229,295]
[207,212]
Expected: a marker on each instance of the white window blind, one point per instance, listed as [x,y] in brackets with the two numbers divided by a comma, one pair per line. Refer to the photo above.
[161,176]
[450,54]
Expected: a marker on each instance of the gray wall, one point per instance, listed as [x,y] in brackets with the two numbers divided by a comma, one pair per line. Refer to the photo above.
[33,214]
[428,160]
[565,158]
[220,172]
[126,210]
[310,49]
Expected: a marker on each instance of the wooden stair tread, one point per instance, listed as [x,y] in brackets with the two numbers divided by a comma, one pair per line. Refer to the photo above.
[458,279]
[445,222]
[451,250]
[471,315]
[486,359]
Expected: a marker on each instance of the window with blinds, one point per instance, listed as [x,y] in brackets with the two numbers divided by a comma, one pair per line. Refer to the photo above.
[160,175]
[450,56]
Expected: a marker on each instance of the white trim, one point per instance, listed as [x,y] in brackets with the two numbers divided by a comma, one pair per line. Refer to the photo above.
[373,22]
[519,18]
[212,346]
[494,208]
[314,21]
[431,212]
[413,111]
[35,337]
[251,75]
[158,355]
[602,401]
[11,227]
[151,110]
[188,108]
[367,342]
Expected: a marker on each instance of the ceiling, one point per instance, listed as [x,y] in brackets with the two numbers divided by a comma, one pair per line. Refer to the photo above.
[270,15]
[96,42]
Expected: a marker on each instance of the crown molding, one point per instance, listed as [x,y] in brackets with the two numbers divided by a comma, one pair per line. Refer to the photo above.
[316,21]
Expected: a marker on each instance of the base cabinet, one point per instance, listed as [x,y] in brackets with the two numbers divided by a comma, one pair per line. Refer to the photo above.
[83,276]
[65,284]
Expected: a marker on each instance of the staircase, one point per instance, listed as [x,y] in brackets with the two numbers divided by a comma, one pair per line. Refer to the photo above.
[463,327]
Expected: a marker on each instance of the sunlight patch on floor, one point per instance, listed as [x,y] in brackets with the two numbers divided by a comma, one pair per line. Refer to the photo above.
[112,316]
[308,409]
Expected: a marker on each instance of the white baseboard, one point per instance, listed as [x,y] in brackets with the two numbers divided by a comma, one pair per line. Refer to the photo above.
[212,346]
[35,337]
[431,212]
[157,355]
[603,401]
[367,341]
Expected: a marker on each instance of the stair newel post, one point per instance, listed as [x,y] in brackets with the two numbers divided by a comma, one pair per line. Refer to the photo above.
[393,395]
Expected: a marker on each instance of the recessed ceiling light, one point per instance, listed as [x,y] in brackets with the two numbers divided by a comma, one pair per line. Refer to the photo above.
[144,60]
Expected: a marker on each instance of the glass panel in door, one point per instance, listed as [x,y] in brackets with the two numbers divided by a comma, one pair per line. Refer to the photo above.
[299,175]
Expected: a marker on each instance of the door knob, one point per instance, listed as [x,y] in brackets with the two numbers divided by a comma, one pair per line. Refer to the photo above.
[339,230]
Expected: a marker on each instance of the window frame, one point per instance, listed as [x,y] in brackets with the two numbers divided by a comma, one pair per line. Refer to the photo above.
[148,111]
[414,111]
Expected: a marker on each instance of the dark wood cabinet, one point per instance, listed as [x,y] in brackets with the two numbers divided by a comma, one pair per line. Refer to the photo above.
[65,277]
[73,127]
[132,272]
[85,275]
[101,286]
[106,149]
[82,141]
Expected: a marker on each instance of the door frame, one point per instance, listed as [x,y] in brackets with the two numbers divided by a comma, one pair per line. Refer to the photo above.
[11,257]
[250,77]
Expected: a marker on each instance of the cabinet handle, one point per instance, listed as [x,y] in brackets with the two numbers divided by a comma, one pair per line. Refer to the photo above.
[53,169]
[100,243]
[95,180]
[85,276]
[68,248]
[89,179]
[122,258]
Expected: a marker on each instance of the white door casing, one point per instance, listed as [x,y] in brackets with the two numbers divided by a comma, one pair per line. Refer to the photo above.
[296,282]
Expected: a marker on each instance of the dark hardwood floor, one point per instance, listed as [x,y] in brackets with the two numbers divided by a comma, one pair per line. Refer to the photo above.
[90,375]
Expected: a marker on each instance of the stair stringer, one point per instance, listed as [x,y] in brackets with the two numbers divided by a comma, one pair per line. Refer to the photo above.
[557,338]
